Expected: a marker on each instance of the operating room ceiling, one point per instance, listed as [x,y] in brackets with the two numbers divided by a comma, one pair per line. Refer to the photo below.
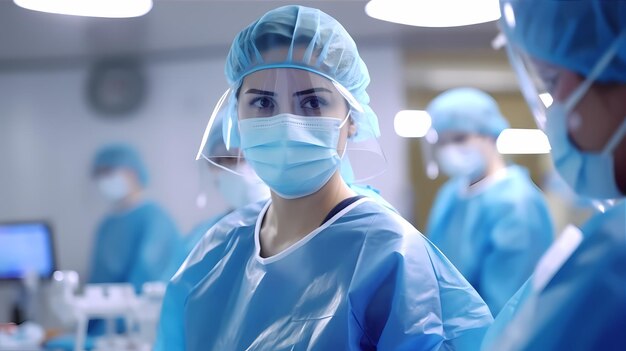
[199,27]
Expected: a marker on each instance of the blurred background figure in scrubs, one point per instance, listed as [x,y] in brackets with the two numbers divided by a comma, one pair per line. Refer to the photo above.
[318,267]
[236,190]
[576,52]
[489,219]
[135,240]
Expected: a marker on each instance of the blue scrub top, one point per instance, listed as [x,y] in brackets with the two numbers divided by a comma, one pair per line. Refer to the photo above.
[134,246]
[494,233]
[188,242]
[373,193]
[366,279]
[583,306]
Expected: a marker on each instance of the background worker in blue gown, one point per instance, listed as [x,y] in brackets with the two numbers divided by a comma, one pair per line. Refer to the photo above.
[489,219]
[576,52]
[316,267]
[136,239]
[236,190]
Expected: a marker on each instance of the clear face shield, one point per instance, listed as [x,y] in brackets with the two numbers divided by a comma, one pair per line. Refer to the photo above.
[537,79]
[272,92]
[539,82]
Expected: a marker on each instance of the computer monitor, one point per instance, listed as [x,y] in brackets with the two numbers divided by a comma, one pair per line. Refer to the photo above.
[26,247]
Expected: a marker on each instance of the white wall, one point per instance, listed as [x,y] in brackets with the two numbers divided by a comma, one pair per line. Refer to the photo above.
[48,135]
[388,96]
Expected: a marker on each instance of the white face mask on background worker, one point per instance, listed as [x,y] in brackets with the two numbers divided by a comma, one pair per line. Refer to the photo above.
[462,158]
[114,186]
[242,188]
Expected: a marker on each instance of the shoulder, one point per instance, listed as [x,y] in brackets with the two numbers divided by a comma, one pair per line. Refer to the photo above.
[382,218]
[516,192]
[394,248]
[599,259]
[215,244]
[384,231]
[450,187]
[518,185]
[155,216]
[237,223]
[151,207]
[205,225]
[608,227]
[245,216]
[149,210]
[367,190]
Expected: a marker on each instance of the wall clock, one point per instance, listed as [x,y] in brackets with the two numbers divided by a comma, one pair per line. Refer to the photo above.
[116,87]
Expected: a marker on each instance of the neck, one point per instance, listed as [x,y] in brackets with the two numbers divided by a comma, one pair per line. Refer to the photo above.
[130,200]
[495,163]
[289,220]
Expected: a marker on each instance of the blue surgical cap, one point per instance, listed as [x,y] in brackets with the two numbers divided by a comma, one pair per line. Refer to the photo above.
[571,34]
[466,110]
[328,51]
[121,156]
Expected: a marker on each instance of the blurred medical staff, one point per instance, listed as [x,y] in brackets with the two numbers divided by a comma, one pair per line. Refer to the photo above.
[316,267]
[489,219]
[236,190]
[576,52]
[134,242]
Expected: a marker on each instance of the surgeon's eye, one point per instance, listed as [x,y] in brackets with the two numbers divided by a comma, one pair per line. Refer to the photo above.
[262,103]
[313,103]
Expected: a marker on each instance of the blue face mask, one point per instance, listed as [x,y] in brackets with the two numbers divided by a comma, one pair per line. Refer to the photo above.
[294,155]
[461,161]
[589,174]
[114,187]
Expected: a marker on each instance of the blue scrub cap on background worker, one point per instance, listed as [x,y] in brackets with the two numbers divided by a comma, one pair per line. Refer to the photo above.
[466,110]
[572,34]
[329,51]
[121,156]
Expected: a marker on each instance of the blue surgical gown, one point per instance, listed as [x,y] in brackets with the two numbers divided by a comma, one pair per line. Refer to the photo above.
[494,234]
[364,280]
[188,242]
[583,306]
[134,246]
[368,190]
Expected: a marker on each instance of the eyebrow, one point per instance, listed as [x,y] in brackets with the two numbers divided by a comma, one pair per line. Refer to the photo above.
[260,92]
[311,91]
[298,93]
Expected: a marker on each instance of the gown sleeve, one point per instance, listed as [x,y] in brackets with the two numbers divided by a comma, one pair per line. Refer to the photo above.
[408,296]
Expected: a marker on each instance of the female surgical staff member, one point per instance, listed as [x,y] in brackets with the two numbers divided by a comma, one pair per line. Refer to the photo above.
[576,52]
[316,267]
[240,188]
[489,219]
